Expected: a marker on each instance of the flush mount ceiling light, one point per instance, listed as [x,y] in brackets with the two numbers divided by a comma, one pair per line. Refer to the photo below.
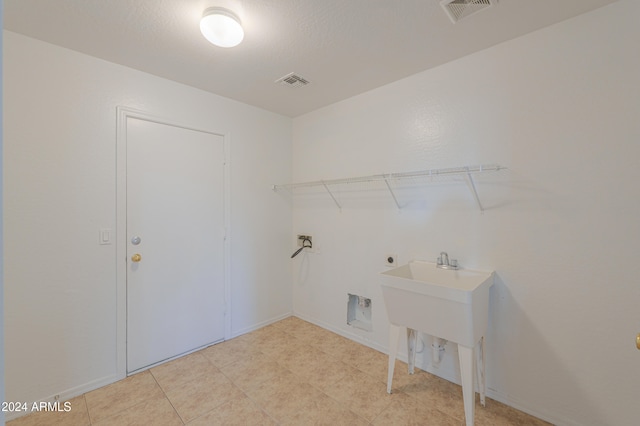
[221,27]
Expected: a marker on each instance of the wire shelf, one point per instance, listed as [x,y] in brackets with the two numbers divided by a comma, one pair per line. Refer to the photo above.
[420,177]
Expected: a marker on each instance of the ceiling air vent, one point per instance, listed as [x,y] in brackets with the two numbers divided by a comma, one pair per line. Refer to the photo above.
[459,9]
[293,80]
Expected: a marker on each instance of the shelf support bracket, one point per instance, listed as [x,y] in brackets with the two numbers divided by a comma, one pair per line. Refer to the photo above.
[386,180]
[331,194]
[472,187]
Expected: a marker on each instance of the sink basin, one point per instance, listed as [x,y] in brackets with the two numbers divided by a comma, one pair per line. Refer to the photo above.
[451,304]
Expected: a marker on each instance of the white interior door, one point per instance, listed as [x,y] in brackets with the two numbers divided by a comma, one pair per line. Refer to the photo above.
[175,241]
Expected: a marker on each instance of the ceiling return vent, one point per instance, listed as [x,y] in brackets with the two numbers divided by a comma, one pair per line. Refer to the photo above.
[460,9]
[293,80]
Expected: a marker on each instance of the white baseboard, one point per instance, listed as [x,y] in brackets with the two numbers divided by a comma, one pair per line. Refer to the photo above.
[67,394]
[236,333]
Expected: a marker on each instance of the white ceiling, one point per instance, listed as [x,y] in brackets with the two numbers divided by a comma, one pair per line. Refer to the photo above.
[344,47]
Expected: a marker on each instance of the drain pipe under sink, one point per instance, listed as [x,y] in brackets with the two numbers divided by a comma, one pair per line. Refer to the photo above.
[437,349]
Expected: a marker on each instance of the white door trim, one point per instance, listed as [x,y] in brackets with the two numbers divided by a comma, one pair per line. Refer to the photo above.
[123,113]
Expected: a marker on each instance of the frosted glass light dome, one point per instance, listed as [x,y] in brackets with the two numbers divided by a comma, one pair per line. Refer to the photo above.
[221,27]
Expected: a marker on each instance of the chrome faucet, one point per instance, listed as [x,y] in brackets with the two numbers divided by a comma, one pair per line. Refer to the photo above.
[444,263]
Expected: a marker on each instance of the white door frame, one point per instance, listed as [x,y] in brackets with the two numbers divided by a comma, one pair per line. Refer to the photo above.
[123,113]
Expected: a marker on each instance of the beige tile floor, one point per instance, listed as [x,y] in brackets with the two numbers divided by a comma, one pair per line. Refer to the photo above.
[288,373]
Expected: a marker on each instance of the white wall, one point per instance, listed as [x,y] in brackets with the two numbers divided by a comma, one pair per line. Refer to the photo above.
[560,108]
[60,183]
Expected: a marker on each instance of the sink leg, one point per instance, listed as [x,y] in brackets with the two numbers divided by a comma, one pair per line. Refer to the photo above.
[394,336]
[480,370]
[412,341]
[467,365]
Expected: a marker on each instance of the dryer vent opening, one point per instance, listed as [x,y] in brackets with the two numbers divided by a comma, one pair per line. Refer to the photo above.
[359,312]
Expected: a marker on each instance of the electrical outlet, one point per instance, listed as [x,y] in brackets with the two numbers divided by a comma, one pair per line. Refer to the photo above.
[391,260]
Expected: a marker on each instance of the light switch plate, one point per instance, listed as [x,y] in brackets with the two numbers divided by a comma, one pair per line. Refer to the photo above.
[104,237]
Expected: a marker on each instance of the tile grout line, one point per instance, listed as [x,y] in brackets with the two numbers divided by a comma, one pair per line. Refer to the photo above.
[91,421]
[333,357]
[167,397]
[246,394]
[86,407]
[298,377]
[241,390]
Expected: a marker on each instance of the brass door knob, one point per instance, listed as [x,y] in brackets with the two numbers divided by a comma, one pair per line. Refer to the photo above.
[136,258]
[638,341]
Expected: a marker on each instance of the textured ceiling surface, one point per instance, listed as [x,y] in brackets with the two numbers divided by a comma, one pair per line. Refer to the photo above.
[343,47]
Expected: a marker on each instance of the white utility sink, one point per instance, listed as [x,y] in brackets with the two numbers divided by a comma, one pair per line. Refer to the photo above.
[451,304]
[445,303]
